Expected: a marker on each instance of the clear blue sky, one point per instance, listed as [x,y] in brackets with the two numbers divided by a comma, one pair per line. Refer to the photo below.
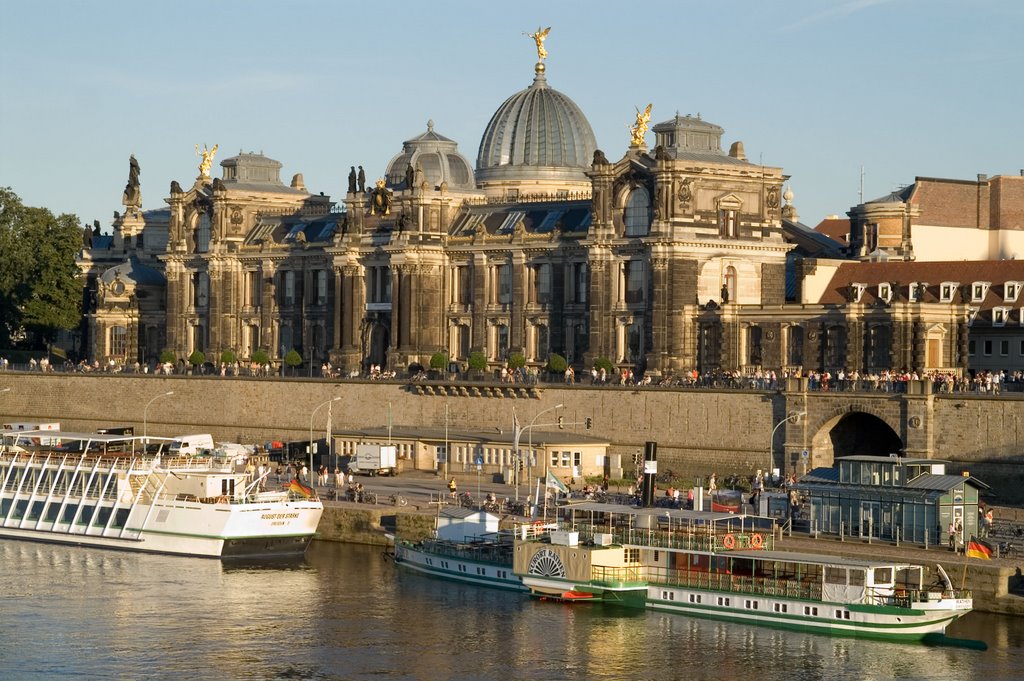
[900,87]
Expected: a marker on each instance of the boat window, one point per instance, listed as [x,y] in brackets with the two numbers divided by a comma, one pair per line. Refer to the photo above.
[835,575]
[856,577]
[883,576]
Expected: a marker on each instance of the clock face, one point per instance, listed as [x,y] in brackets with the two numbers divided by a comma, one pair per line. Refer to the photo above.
[117,287]
[546,563]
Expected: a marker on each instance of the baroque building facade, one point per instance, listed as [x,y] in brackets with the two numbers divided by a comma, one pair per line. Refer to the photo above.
[680,257]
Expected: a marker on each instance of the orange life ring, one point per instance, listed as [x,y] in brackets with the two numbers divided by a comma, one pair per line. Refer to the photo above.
[538,523]
[729,541]
[222,500]
[756,541]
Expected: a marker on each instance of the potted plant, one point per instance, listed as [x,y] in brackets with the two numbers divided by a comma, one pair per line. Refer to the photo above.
[556,366]
[477,364]
[197,359]
[438,362]
[293,359]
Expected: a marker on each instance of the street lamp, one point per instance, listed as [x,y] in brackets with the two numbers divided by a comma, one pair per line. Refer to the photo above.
[771,439]
[315,410]
[145,415]
[515,445]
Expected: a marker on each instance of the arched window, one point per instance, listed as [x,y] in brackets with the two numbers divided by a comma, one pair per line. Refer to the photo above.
[729,284]
[637,217]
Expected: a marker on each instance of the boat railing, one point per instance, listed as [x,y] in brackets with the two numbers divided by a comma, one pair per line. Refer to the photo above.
[906,598]
[118,461]
[732,583]
[685,539]
[616,576]
[471,549]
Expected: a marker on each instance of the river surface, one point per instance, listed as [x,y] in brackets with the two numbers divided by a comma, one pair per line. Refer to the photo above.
[344,612]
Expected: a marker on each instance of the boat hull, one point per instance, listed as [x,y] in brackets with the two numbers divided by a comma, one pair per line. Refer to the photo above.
[189,529]
[477,573]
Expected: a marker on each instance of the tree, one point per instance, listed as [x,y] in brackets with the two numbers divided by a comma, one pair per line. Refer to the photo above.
[556,364]
[439,360]
[168,357]
[40,291]
[477,361]
[293,359]
[197,358]
[261,358]
[604,363]
[516,360]
[228,357]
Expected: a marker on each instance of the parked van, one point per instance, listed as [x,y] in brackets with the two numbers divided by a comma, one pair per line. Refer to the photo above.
[188,445]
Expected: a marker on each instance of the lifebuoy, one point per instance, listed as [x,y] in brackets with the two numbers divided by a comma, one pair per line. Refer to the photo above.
[729,541]
[756,541]
[538,523]
[222,500]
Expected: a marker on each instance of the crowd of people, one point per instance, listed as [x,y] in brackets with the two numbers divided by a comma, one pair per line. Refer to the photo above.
[992,382]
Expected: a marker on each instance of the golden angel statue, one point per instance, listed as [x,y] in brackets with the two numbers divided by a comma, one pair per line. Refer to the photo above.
[539,37]
[639,130]
[207,156]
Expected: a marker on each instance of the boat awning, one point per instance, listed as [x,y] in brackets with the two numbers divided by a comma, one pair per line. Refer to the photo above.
[813,559]
[679,514]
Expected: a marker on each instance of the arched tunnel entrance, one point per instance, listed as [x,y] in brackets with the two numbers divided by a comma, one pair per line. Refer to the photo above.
[855,433]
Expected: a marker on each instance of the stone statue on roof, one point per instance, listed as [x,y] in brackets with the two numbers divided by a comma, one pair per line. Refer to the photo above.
[132,197]
[352,180]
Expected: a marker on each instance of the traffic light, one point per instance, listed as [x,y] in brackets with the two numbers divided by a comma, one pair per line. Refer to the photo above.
[561,422]
[588,422]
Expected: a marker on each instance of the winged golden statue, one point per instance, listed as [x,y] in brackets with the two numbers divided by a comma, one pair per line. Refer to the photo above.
[539,37]
[639,130]
[207,156]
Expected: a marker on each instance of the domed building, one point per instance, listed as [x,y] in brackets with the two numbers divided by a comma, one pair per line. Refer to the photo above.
[537,143]
[128,321]
[435,160]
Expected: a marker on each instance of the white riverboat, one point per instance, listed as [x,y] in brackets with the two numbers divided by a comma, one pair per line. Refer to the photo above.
[723,566]
[117,492]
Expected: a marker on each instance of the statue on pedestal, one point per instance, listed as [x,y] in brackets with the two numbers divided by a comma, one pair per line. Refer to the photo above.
[639,130]
[352,180]
[132,197]
[207,156]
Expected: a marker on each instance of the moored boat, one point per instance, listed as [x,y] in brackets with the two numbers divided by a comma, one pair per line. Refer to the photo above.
[468,547]
[118,492]
[724,566]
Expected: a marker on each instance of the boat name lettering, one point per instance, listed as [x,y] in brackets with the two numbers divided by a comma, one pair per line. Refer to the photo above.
[278,516]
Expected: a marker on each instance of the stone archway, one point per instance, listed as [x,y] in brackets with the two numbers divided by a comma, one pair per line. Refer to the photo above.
[854,433]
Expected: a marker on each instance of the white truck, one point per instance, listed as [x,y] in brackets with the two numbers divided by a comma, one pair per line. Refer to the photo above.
[374,460]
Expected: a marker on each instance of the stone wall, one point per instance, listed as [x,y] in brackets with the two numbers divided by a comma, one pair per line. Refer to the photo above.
[697,431]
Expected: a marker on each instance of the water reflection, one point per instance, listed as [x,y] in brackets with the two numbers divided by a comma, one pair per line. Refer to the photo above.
[345,613]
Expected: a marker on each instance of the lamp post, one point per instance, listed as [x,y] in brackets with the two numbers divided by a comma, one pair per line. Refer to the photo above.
[515,445]
[315,410]
[771,439]
[145,415]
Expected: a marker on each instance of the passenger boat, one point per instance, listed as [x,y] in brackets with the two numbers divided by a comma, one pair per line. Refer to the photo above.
[724,566]
[118,492]
[466,547]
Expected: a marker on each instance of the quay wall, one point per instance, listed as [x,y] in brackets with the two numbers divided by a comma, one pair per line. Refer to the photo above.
[697,431]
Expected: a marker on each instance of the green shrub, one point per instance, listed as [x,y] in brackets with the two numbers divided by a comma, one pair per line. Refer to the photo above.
[516,360]
[439,360]
[604,363]
[557,364]
[477,361]
[197,358]
[167,357]
[261,357]
[228,357]
[293,358]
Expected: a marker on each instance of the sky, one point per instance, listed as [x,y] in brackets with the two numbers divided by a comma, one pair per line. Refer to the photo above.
[820,88]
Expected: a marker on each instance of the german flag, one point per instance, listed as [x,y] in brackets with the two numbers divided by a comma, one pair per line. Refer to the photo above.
[979,548]
[299,488]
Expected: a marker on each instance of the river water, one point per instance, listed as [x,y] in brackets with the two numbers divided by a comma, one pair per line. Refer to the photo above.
[344,612]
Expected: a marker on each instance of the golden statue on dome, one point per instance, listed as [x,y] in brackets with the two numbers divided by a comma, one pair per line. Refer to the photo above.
[539,37]
[639,130]
[207,156]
